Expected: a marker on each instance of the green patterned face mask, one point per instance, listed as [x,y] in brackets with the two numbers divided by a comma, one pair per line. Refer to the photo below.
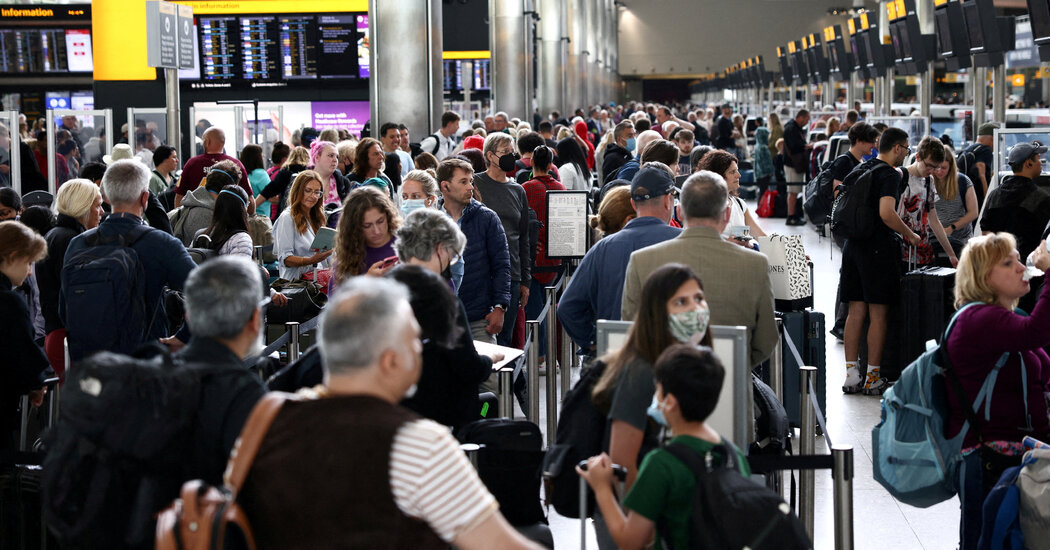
[687,324]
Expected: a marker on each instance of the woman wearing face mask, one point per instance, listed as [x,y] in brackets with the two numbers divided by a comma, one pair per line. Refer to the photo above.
[447,391]
[674,311]
[79,205]
[365,237]
[418,191]
[24,361]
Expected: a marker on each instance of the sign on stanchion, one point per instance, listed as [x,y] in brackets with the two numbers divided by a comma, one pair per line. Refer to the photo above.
[567,228]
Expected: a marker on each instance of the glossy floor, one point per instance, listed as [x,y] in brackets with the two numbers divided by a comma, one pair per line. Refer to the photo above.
[880,522]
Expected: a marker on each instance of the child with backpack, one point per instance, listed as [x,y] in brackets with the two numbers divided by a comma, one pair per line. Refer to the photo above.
[668,494]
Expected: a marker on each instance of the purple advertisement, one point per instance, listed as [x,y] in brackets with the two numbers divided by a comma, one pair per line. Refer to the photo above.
[351,115]
[362,45]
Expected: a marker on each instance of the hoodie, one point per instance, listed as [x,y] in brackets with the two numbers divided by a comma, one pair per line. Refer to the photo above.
[763,158]
[581,130]
[194,214]
[1017,205]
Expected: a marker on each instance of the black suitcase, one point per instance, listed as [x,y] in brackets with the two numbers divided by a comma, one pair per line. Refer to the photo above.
[21,510]
[927,303]
[806,330]
[509,464]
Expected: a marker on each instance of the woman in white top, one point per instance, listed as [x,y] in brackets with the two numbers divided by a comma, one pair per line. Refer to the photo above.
[572,165]
[725,164]
[295,229]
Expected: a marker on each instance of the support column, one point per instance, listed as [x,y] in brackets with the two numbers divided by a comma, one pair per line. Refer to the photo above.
[999,94]
[851,90]
[405,36]
[887,98]
[553,57]
[924,11]
[980,98]
[509,58]
[574,78]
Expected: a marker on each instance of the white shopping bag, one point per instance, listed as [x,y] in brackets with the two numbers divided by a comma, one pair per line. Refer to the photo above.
[789,271]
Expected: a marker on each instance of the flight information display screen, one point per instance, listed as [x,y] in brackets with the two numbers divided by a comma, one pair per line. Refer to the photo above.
[453,74]
[278,49]
[29,51]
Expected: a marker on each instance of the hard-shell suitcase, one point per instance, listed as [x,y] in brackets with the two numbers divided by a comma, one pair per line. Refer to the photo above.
[806,331]
[21,511]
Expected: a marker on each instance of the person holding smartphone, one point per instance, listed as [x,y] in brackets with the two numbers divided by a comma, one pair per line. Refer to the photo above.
[364,242]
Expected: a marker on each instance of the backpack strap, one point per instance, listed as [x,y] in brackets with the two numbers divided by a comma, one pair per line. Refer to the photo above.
[702,465]
[247,446]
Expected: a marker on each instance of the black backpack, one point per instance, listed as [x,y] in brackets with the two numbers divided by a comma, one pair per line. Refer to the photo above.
[853,214]
[772,426]
[966,163]
[581,434]
[118,453]
[104,288]
[509,465]
[731,512]
[819,195]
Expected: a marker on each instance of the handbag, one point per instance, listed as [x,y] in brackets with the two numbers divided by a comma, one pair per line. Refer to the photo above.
[789,272]
[305,301]
[206,517]
[767,203]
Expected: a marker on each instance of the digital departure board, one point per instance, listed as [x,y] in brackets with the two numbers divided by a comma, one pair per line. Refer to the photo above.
[453,74]
[280,49]
[29,51]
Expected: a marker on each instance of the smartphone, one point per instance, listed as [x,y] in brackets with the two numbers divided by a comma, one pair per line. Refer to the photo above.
[389,262]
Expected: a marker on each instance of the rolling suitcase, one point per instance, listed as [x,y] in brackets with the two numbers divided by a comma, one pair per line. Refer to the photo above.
[806,331]
[21,511]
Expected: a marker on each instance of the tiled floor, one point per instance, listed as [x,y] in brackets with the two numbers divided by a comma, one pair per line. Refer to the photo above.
[880,522]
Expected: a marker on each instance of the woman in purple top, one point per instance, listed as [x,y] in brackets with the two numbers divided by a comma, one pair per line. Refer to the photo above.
[365,237]
[992,274]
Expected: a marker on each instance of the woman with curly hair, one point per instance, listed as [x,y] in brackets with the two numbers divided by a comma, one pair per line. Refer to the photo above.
[365,236]
[295,229]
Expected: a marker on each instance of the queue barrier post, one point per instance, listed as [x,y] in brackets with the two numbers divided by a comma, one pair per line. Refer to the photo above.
[842,478]
[506,402]
[568,347]
[807,447]
[552,363]
[533,369]
[293,341]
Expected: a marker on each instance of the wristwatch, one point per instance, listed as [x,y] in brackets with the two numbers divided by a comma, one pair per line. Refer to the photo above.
[500,306]
[952,225]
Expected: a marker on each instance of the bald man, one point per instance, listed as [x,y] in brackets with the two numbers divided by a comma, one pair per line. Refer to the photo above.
[196,169]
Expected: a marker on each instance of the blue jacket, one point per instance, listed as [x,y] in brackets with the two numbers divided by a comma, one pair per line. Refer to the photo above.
[596,289]
[163,257]
[486,279]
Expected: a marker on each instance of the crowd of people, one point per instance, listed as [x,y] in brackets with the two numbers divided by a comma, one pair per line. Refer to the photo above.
[435,245]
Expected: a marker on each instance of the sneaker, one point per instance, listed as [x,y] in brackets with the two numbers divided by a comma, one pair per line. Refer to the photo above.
[837,333]
[858,388]
[854,383]
[797,220]
[875,385]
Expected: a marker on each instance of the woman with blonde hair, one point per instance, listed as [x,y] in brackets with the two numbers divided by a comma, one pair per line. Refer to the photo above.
[365,239]
[776,131]
[79,207]
[294,232]
[614,212]
[991,341]
[956,205]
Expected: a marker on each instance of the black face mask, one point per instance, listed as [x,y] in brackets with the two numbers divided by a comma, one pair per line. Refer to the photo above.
[506,162]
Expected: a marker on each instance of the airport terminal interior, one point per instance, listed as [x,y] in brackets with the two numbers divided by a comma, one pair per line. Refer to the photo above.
[543,161]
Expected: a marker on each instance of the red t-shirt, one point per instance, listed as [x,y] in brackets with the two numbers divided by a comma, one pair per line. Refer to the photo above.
[193,173]
[536,192]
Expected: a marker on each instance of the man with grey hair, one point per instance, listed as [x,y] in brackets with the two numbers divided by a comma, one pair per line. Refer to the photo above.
[499,122]
[736,280]
[163,258]
[508,200]
[224,301]
[387,477]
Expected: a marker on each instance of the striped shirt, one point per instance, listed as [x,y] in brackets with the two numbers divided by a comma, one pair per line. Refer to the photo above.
[432,480]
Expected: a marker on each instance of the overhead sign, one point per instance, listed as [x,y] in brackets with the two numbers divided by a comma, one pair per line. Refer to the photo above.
[1025,52]
[187,37]
[162,35]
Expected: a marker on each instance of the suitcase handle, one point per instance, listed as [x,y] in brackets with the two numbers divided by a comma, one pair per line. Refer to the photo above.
[619,471]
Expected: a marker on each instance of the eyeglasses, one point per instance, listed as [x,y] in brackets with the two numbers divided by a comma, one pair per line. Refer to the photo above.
[316,193]
[907,150]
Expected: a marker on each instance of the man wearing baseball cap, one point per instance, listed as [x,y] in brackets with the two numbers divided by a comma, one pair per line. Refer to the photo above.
[1018,206]
[597,285]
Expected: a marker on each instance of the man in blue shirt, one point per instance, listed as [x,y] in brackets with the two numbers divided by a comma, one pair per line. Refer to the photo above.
[596,289]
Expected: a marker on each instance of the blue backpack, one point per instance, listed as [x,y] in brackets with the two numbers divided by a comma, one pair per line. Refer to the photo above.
[104,295]
[913,457]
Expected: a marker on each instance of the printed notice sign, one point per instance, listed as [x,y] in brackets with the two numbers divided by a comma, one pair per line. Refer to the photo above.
[567,228]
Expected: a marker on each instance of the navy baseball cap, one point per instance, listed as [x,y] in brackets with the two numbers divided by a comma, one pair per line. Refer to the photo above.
[651,182]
